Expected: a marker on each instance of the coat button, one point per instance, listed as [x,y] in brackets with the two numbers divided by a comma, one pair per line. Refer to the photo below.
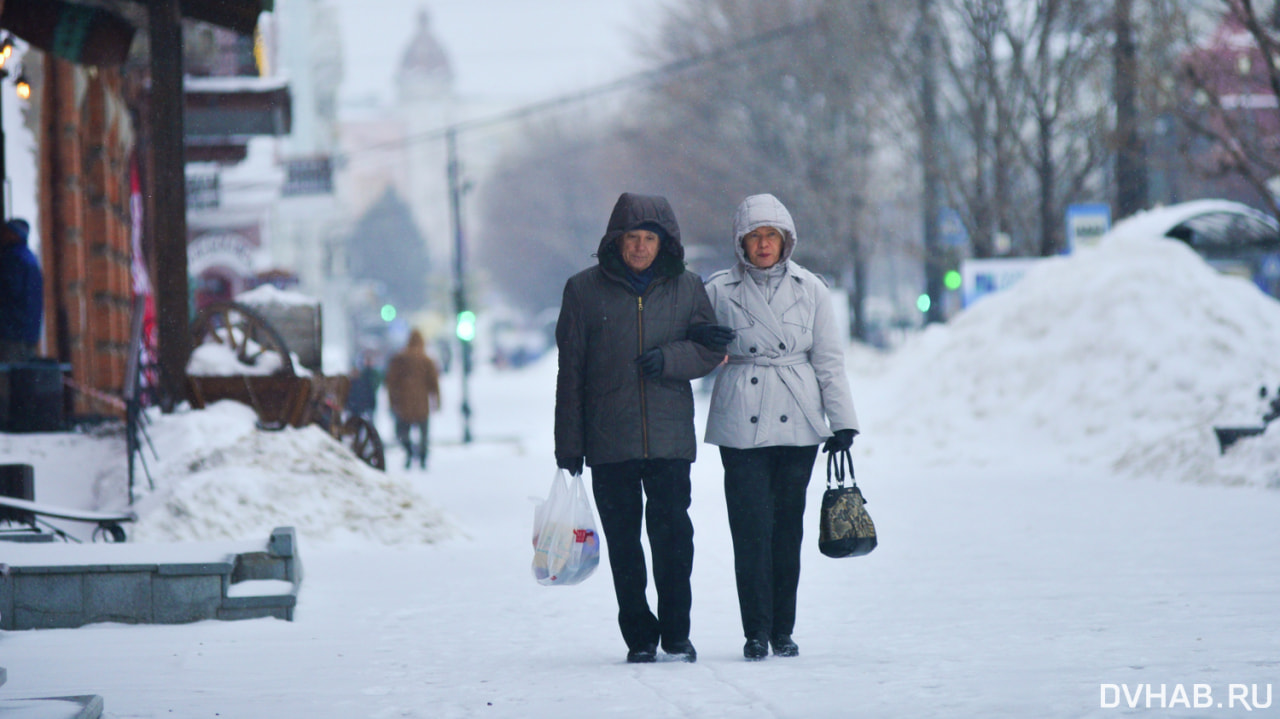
[753,349]
[784,418]
[753,420]
[755,380]
[782,345]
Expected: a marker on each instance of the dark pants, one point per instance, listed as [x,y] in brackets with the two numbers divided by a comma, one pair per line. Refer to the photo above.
[764,489]
[403,430]
[620,490]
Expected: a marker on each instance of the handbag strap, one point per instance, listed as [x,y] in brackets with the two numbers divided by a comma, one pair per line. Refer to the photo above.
[838,465]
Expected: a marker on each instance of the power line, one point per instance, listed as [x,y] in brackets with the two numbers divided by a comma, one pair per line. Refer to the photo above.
[748,44]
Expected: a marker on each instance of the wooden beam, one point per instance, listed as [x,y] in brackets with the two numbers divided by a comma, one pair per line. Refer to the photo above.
[168,185]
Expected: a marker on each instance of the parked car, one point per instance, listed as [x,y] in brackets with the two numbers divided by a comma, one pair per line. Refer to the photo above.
[1231,236]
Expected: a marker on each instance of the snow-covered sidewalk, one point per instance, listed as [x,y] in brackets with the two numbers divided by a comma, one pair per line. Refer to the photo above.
[1058,534]
[1012,589]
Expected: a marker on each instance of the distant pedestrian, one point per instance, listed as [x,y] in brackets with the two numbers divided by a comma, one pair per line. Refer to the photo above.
[21,294]
[783,391]
[362,399]
[413,388]
[628,339]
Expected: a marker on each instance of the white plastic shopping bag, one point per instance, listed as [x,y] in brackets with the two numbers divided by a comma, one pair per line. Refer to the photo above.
[566,545]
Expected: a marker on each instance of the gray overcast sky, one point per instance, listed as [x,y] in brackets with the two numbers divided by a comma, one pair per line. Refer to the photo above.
[503,50]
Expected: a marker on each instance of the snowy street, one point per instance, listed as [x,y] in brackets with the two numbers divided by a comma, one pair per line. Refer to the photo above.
[1015,577]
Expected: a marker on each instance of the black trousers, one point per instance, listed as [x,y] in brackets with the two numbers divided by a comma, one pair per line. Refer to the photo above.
[621,490]
[764,489]
[403,430]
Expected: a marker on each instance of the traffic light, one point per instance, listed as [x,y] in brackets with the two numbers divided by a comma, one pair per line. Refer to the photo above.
[952,280]
[466,325]
[923,303]
[388,312]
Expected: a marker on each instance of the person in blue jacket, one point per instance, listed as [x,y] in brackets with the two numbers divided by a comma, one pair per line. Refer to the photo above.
[21,294]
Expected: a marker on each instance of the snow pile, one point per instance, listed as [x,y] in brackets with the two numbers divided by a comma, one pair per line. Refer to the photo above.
[218,360]
[1130,353]
[269,294]
[220,478]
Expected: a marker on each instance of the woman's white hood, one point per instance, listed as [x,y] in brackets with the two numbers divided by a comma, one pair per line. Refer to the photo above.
[763,211]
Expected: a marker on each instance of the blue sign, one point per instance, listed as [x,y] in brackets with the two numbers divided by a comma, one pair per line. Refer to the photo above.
[951,229]
[1086,224]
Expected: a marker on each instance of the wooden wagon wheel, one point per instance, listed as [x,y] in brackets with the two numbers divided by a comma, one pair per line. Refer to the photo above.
[362,437]
[242,330]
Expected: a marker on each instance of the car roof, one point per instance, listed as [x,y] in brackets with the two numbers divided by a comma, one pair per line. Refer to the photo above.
[1160,221]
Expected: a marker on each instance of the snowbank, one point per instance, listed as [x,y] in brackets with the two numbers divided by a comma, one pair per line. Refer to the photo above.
[1129,352]
[220,478]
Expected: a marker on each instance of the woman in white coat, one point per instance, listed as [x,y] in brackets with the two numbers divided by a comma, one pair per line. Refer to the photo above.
[782,393]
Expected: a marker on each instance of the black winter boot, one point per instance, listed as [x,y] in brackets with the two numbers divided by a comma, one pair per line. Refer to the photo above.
[643,655]
[784,647]
[682,650]
[755,650]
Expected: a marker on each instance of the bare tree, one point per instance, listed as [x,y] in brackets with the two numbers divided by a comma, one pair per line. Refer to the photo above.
[1058,52]
[792,114]
[544,212]
[1230,82]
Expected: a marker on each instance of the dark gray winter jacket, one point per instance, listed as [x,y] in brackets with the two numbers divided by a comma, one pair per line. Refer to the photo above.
[605,410]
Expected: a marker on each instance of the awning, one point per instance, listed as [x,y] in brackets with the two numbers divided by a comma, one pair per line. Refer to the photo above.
[238,15]
[218,107]
[90,33]
[83,34]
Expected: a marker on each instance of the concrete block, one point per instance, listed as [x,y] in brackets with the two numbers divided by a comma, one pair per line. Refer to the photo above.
[259,565]
[271,600]
[81,707]
[179,599]
[47,601]
[283,542]
[6,600]
[285,613]
[196,569]
[118,597]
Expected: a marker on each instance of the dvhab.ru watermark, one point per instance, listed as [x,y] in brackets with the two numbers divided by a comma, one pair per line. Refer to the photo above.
[1247,697]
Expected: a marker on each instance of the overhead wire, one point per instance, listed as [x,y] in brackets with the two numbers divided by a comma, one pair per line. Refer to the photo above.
[748,44]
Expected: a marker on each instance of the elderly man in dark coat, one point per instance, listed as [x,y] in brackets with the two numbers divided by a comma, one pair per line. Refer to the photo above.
[21,294]
[633,331]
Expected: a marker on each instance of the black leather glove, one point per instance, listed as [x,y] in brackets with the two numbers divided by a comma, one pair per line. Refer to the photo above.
[713,337]
[650,363]
[572,465]
[842,440]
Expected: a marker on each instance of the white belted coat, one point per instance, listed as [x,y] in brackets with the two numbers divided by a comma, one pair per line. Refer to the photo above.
[785,382]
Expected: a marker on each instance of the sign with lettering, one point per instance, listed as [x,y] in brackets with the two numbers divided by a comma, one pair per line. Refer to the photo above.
[1086,224]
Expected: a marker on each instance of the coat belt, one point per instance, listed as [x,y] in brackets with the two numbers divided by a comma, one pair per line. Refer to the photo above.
[780,361]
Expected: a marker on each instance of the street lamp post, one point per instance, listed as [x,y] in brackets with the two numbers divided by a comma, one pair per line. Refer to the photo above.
[459,288]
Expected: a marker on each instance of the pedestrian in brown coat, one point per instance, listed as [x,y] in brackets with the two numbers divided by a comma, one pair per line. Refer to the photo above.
[413,386]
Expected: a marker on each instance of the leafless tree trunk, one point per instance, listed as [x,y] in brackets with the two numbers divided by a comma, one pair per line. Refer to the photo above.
[1131,167]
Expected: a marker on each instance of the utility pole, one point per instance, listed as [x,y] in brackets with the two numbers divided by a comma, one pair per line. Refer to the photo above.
[465,326]
[933,260]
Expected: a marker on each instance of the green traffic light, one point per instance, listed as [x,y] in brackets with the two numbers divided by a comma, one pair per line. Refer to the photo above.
[952,280]
[388,313]
[466,325]
[923,303]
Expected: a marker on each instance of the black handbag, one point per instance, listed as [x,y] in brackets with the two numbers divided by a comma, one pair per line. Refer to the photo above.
[845,528]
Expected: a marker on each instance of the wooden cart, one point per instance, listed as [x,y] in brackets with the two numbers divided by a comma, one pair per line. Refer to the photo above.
[280,397]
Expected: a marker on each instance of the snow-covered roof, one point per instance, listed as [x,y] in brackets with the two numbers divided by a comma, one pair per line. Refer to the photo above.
[269,294]
[226,84]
